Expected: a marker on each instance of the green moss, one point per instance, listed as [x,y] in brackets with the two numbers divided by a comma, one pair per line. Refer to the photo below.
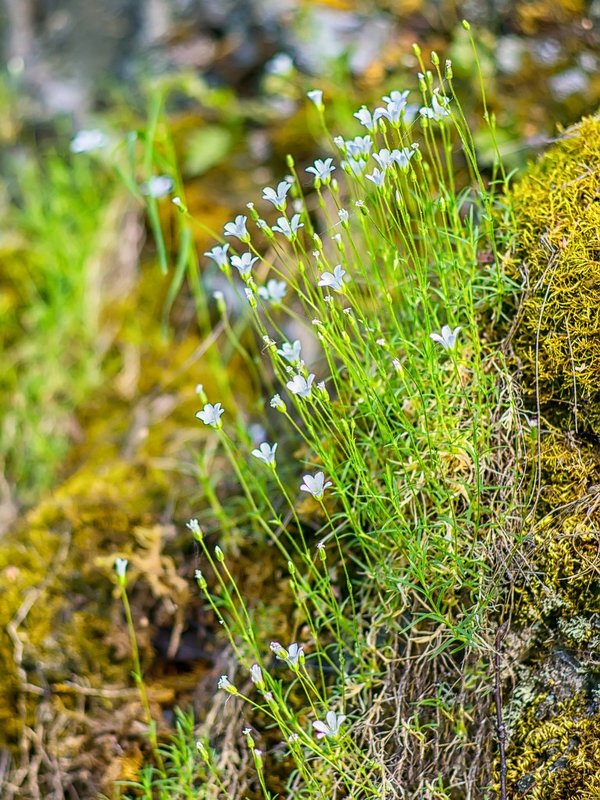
[553,711]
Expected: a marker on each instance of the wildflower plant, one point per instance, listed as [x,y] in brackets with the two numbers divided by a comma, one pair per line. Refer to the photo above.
[397,441]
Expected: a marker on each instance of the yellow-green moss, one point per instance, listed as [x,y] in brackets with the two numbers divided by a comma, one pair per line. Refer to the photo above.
[553,710]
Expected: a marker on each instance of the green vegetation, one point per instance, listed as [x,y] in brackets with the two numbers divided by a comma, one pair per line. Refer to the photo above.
[394,451]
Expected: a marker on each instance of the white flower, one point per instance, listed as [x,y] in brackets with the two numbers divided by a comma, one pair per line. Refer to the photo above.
[357,167]
[121,567]
[274,291]
[256,675]
[377,177]
[218,254]
[266,453]
[237,228]
[322,169]
[403,157]
[446,337]
[300,385]
[316,97]
[158,186]
[331,726]
[194,526]
[343,215]
[334,279]
[439,107]
[396,107]
[364,116]
[280,64]
[277,402]
[225,683]
[244,263]
[315,485]
[289,229]
[277,196]
[211,415]
[87,141]
[291,654]
[291,352]
[359,146]
[384,158]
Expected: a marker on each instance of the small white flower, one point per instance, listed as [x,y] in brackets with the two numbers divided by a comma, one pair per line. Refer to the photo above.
[158,186]
[446,337]
[194,526]
[293,737]
[274,291]
[316,97]
[256,675]
[359,146]
[277,402]
[262,225]
[334,279]
[291,352]
[331,726]
[277,196]
[384,158]
[364,116]
[343,215]
[121,567]
[300,385]
[357,167]
[211,414]
[244,263]
[225,683]
[280,64]
[219,255]
[439,107]
[315,485]
[237,228]
[377,177]
[322,169]
[87,141]
[291,654]
[289,229]
[266,453]
[403,157]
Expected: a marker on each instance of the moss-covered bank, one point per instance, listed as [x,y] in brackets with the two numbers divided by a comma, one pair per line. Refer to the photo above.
[553,651]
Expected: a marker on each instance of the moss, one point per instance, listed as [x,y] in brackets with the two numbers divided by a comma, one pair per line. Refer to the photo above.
[64,650]
[553,710]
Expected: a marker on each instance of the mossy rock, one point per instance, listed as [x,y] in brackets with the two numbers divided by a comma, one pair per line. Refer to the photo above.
[557,224]
[553,708]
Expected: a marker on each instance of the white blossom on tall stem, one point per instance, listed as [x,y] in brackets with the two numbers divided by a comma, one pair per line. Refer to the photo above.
[219,254]
[334,279]
[274,291]
[377,177]
[291,352]
[277,196]
[316,97]
[364,116]
[331,726]
[266,452]
[446,337]
[322,170]
[211,414]
[292,654]
[237,228]
[289,228]
[315,485]
[439,107]
[158,186]
[86,141]
[244,263]
[300,385]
